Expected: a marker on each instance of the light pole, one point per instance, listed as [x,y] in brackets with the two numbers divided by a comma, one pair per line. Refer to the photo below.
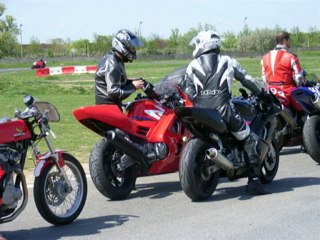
[21,41]
[140,29]
[244,23]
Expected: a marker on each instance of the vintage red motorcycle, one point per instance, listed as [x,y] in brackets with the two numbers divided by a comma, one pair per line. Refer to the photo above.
[145,139]
[60,185]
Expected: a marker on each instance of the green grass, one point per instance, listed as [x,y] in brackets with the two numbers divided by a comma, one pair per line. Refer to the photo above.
[68,92]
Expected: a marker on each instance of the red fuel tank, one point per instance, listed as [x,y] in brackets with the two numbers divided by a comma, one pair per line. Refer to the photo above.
[13,130]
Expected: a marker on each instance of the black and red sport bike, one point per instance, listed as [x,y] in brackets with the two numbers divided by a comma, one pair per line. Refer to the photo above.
[146,138]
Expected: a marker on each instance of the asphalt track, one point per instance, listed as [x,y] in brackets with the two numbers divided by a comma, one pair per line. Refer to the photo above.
[158,209]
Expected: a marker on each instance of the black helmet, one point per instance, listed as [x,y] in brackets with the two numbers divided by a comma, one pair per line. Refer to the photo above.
[125,43]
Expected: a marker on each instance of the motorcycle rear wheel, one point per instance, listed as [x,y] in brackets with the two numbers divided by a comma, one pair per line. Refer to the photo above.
[191,169]
[111,183]
[53,202]
[311,137]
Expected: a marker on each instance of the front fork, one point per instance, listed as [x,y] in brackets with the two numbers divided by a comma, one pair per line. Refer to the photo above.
[266,142]
[56,158]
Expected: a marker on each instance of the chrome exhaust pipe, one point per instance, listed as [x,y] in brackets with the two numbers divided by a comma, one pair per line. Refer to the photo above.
[219,159]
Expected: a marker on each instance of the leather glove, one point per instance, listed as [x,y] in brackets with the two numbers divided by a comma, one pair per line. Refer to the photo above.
[266,97]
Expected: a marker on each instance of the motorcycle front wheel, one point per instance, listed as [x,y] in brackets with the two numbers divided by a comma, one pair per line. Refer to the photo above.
[110,182]
[311,137]
[270,164]
[195,181]
[55,203]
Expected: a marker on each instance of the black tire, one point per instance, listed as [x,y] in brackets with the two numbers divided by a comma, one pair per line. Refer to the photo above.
[270,164]
[51,198]
[192,162]
[111,183]
[311,137]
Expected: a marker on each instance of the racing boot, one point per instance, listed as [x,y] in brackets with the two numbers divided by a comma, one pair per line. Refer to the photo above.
[252,150]
[255,187]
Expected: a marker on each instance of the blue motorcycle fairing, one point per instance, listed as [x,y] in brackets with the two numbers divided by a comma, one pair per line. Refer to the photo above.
[306,96]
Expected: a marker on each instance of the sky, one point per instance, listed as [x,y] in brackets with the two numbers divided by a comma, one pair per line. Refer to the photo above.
[82,19]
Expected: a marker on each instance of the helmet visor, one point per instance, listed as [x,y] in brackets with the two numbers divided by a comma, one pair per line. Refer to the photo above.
[136,42]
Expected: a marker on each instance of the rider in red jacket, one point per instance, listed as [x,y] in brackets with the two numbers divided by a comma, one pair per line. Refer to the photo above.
[281,69]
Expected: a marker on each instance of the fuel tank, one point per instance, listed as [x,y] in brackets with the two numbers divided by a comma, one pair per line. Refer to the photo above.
[12,130]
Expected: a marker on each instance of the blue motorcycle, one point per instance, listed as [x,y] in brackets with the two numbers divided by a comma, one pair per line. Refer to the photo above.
[309,100]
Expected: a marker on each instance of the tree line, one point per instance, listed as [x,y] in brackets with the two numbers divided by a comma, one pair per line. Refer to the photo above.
[259,40]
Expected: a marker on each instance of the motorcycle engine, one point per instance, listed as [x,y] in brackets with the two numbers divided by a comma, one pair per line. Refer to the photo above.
[8,159]
[11,195]
[8,155]
[156,151]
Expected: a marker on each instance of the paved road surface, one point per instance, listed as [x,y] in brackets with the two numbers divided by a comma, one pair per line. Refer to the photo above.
[158,209]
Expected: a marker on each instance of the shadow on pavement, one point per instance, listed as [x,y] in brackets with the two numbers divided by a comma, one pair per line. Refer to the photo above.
[276,187]
[81,227]
[156,190]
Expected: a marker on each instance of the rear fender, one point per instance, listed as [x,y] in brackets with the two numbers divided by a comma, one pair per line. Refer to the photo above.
[47,159]
[201,120]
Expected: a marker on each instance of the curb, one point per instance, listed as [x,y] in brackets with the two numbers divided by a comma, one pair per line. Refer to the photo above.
[43,72]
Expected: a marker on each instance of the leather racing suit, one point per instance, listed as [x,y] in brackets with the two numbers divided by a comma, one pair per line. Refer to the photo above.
[208,83]
[281,70]
[111,83]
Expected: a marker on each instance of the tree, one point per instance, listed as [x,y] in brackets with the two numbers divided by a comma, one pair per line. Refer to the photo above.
[297,37]
[101,44]
[313,37]
[263,39]
[59,47]
[34,48]
[8,34]
[229,41]
[81,47]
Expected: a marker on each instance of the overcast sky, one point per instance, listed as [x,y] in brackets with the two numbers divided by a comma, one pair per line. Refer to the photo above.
[81,19]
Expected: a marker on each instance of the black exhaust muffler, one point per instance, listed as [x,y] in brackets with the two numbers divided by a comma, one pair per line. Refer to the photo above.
[133,150]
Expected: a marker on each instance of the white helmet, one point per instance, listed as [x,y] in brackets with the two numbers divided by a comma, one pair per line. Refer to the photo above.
[125,44]
[205,41]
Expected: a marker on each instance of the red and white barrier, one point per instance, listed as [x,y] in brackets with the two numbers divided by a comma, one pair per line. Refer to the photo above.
[43,72]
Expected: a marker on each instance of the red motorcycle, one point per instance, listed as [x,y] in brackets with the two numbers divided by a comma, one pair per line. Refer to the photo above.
[145,139]
[39,64]
[60,186]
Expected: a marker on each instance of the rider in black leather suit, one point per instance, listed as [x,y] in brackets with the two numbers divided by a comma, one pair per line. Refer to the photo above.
[208,83]
[111,82]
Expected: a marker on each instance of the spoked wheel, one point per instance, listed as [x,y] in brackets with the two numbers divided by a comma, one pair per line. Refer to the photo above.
[195,180]
[270,164]
[107,178]
[56,203]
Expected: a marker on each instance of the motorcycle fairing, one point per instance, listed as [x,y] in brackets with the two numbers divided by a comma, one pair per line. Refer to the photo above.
[110,115]
[172,137]
[201,120]
[305,97]
[13,130]
[245,109]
